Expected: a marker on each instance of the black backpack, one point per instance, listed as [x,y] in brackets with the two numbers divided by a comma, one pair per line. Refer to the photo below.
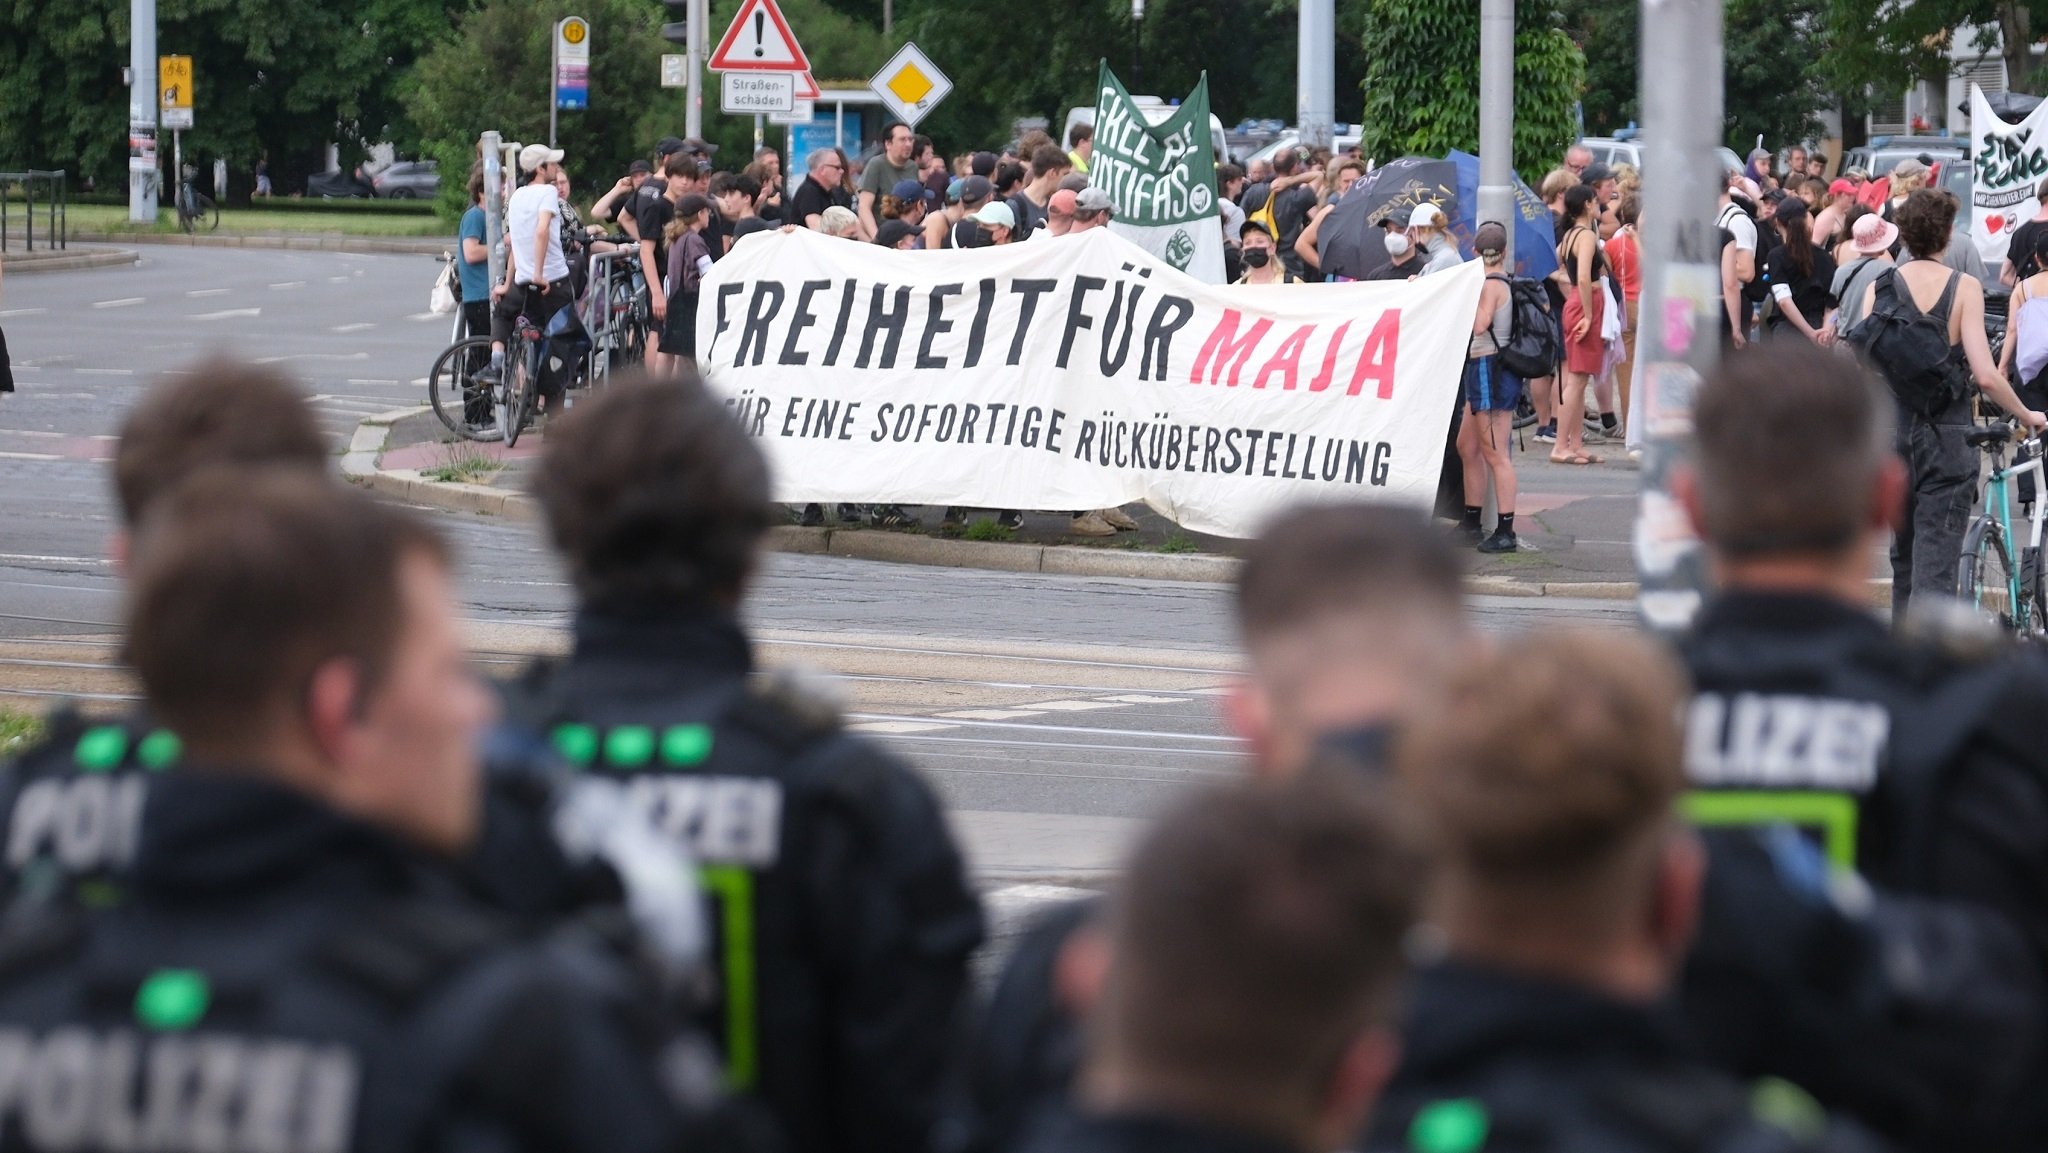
[1910,348]
[1534,344]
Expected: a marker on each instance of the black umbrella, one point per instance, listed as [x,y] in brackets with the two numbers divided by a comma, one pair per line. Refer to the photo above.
[1351,243]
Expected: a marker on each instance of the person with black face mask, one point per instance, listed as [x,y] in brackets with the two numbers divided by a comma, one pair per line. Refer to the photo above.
[1261,263]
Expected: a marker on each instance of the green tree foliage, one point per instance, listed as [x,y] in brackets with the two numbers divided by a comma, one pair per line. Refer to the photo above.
[281,76]
[1773,50]
[1422,78]
[1888,46]
[492,73]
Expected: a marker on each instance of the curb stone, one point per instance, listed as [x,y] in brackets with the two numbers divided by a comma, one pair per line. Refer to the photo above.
[359,464]
[308,242]
[22,264]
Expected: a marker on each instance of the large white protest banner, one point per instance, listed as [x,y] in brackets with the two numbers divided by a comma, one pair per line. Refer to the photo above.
[1161,178]
[2010,161]
[1079,372]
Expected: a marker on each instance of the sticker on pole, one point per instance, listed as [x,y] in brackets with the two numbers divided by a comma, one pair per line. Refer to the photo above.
[675,70]
[910,84]
[758,40]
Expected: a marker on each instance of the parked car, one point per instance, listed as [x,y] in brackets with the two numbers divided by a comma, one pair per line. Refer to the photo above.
[1156,111]
[409,180]
[1609,151]
[1883,153]
[338,185]
[1345,139]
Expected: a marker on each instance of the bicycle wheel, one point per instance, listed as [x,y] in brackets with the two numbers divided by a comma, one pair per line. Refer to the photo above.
[522,373]
[205,212]
[186,217]
[2033,596]
[1525,410]
[462,403]
[1985,578]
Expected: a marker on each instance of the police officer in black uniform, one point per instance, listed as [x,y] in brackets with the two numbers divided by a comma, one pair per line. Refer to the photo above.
[1248,980]
[70,805]
[292,967]
[1882,939]
[841,917]
[1351,615]
[1548,776]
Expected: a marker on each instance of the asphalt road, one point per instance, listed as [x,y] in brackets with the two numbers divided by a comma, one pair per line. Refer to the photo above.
[1052,713]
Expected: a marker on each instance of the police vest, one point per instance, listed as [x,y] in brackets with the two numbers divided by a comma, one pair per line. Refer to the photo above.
[71,807]
[1842,736]
[718,767]
[285,1033]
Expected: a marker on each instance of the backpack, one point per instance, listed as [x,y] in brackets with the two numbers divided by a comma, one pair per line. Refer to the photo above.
[1534,344]
[1263,215]
[1910,348]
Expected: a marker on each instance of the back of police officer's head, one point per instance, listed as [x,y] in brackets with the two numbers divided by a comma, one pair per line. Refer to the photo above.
[1794,463]
[1547,776]
[1349,614]
[296,629]
[222,412]
[1255,958]
[655,496]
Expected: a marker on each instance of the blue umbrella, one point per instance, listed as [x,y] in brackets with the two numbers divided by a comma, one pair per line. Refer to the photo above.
[1534,231]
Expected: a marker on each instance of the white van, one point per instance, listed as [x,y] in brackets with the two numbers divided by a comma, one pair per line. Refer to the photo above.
[1156,112]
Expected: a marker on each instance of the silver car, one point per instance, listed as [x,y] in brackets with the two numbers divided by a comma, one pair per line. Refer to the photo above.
[408,180]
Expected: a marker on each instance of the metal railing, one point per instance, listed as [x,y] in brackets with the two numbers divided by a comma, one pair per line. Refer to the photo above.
[56,200]
[613,299]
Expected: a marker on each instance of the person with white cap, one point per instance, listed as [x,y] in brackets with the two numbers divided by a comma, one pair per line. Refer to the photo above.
[996,222]
[536,282]
[1426,225]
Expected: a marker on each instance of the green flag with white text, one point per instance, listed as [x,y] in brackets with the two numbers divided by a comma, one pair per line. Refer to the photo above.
[1161,178]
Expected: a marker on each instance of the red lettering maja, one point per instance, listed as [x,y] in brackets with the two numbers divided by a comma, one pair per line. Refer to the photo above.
[1376,362]
[1286,359]
[1226,348]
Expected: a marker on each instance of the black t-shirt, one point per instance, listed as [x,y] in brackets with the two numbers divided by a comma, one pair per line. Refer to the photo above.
[1811,294]
[751,225]
[810,199]
[2024,251]
[1400,269]
[967,234]
[1290,216]
[716,231]
[651,218]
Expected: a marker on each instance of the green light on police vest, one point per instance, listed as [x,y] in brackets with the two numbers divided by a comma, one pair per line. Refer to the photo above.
[159,750]
[172,999]
[1456,1126]
[629,746]
[101,748]
[685,745]
[577,744]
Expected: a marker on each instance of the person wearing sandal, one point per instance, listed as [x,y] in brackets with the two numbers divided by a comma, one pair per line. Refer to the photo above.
[1578,254]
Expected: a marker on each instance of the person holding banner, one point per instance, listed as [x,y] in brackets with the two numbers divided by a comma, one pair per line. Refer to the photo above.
[1259,251]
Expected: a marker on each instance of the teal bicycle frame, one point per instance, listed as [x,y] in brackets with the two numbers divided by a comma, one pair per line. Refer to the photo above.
[2023,611]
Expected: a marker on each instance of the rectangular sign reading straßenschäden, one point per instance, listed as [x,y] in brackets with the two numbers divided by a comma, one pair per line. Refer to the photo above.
[1079,372]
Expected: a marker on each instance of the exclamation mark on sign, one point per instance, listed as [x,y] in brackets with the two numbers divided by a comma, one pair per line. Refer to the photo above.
[760,33]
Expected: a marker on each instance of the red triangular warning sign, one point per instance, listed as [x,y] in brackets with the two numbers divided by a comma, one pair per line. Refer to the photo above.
[806,88]
[759,40]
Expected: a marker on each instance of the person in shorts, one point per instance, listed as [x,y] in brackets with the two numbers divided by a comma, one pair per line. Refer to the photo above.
[1491,393]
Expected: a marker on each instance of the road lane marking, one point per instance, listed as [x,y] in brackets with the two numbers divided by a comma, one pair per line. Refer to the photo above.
[229,314]
[1141,699]
[992,714]
[895,727]
[282,285]
[358,327]
[22,311]
[314,356]
[29,456]
[426,316]
[124,302]
[198,292]
[104,371]
[1072,706]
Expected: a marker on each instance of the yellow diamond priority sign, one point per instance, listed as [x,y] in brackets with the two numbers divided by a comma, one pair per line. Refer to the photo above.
[910,84]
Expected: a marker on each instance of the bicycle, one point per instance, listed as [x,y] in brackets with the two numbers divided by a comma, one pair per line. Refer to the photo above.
[195,207]
[1986,577]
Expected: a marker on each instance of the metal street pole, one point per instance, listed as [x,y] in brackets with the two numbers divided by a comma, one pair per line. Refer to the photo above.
[1315,74]
[143,99]
[493,147]
[1497,117]
[554,77]
[1137,45]
[1680,338]
[693,116]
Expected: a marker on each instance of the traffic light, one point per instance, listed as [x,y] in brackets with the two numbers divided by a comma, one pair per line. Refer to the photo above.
[677,31]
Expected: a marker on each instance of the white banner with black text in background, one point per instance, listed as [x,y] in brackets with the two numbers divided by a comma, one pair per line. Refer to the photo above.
[1079,372]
